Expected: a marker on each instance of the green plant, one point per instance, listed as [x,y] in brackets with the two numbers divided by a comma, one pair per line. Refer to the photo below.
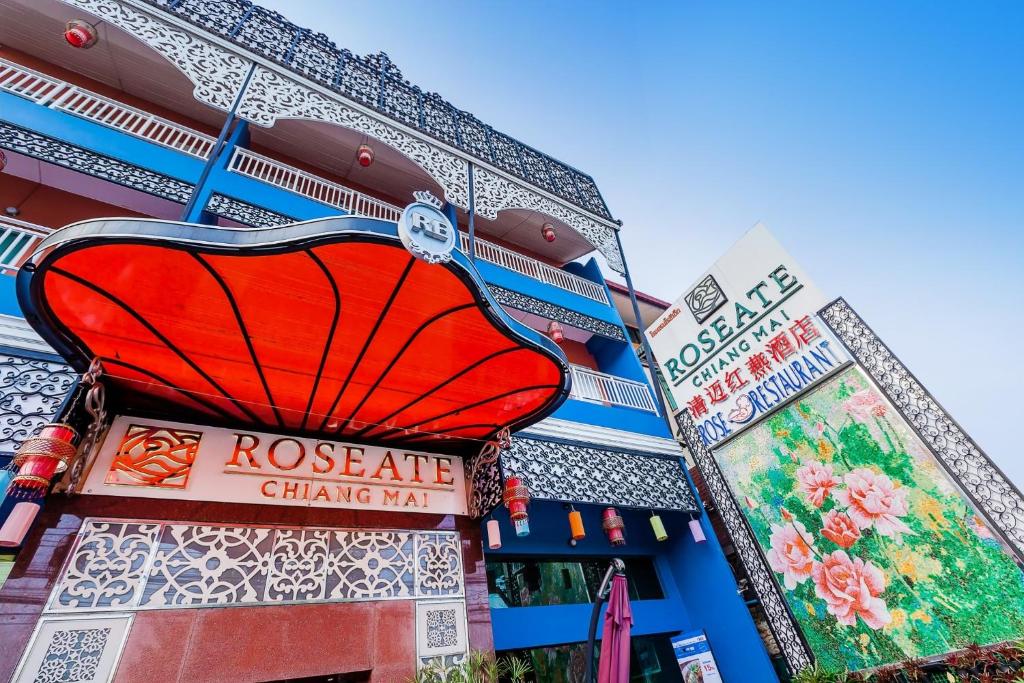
[517,669]
[817,674]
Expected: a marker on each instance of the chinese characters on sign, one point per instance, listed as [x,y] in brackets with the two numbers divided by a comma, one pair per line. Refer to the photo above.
[170,460]
[743,339]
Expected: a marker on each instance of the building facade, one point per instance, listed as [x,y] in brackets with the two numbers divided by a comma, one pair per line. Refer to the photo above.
[299,425]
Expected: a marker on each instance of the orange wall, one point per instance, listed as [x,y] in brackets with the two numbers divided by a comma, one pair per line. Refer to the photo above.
[51,207]
[578,354]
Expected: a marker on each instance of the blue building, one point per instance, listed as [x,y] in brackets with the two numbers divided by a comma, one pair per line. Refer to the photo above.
[258,175]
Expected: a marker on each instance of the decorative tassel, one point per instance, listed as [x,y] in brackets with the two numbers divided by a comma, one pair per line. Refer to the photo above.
[493,534]
[697,531]
[659,528]
[41,457]
[517,497]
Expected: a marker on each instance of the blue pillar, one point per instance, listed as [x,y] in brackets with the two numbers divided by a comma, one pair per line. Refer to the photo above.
[239,137]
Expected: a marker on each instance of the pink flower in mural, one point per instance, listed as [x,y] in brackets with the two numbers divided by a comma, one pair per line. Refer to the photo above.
[790,553]
[816,480]
[839,528]
[850,589]
[873,500]
[864,405]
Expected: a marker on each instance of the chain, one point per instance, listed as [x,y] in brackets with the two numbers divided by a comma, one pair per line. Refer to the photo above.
[95,400]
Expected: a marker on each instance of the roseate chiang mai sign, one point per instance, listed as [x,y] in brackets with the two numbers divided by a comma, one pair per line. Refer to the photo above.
[157,459]
[743,339]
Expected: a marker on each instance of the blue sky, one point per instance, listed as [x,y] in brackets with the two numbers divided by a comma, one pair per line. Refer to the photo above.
[882,143]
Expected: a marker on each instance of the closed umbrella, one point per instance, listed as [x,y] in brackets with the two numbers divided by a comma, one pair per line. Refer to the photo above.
[613,666]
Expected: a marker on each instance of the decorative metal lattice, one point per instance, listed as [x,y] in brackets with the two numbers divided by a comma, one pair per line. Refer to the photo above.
[73,655]
[780,620]
[550,311]
[31,392]
[125,565]
[373,81]
[75,158]
[585,474]
[980,479]
[244,212]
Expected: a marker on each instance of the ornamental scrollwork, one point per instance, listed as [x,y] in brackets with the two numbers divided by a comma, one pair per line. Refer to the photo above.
[244,212]
[980,479]
[82,160]
[216,73]
[271,96]
[580,473]
[493,193]
[551,311]
[31,392]
[780,620]
[438,565]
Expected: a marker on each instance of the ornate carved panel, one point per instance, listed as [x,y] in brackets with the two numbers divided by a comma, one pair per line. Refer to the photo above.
[548,310]
[124,565]
[781,622]
[586,474]
[79,649]
[60,153]
[244,212]
[216,73]
[31,391]
[980,479]
[493,193]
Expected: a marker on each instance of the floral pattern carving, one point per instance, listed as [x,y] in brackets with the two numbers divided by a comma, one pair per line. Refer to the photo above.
[73,655]
[548,310]
[244,212]
[438,565]
[31,391]
[370,564]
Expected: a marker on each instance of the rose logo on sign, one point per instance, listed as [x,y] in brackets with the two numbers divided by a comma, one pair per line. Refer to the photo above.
[425,231]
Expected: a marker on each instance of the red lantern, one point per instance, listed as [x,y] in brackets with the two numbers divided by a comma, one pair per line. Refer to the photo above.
[80,34]
[555,332]
[41,457]
[3,160]
[548,231]
[517,497]
[613,525]
[365,155]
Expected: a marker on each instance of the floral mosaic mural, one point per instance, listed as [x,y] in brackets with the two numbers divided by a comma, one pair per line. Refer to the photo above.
[880,556]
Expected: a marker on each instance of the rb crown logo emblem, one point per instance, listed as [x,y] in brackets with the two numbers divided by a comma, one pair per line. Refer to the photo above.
[425,231]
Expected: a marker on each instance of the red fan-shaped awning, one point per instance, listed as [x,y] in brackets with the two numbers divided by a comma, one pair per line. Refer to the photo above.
[327,327]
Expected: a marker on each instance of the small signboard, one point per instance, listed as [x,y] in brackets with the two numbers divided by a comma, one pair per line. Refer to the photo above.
[696,662]
[425,231]
[159,459]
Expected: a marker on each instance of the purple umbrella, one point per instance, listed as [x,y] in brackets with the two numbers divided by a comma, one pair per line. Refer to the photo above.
[613,666]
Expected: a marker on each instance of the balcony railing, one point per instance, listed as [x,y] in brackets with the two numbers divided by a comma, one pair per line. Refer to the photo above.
[597,387]
[295,180]
[17,239]
[506,258]
[57,94]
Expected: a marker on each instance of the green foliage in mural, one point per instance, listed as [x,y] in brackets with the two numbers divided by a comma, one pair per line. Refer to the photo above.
[879,555]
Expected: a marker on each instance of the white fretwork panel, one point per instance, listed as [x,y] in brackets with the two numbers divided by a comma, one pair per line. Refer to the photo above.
[107,567]
[81,650]
[440,628]
[128,565]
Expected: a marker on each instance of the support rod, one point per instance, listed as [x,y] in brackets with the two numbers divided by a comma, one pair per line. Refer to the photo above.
[215,150]
[616,566]
[472,212]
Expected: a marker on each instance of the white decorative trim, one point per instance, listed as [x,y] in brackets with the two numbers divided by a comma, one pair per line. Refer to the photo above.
[272,96]
[216,73]
[579,432]
[493,193]
[17,333]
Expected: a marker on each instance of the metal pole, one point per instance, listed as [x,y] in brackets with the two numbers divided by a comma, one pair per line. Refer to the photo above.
[472,211]
[656,385]
[215,151]
[616,566]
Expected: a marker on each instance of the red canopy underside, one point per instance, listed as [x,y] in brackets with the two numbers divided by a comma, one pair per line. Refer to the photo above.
[357,340]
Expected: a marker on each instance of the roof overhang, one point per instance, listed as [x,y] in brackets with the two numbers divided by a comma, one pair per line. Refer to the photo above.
[323,327]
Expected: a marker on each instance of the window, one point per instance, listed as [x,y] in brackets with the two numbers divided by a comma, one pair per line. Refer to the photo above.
[651,661]
[531,582]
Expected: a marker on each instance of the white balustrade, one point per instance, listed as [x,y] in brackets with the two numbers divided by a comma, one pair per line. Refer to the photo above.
[597,387]
[57,94]
[17,239]
[253,165]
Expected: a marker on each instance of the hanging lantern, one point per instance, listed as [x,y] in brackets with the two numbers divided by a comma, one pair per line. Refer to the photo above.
[493,534]
[517,497]
[659,528]
[365,155]
[3,160]
[697,531]
[80,34]
[576,530]
[40,457]
[555,332]
[16,527]
[613,525]
[548,231]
